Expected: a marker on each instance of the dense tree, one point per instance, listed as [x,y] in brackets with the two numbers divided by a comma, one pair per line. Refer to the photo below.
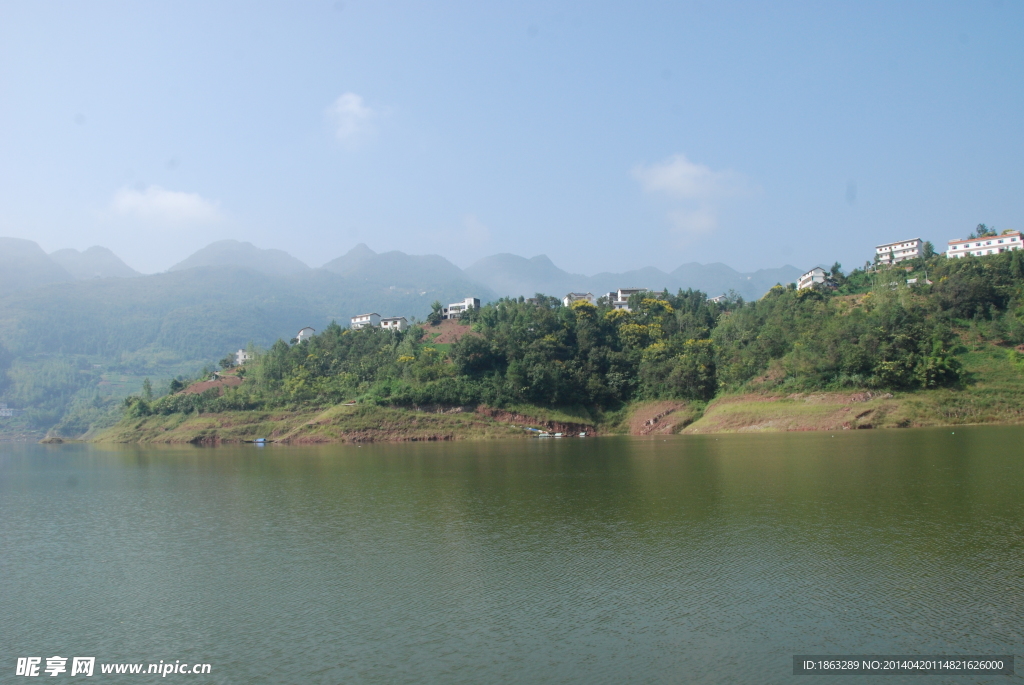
[874,330]
[434,317]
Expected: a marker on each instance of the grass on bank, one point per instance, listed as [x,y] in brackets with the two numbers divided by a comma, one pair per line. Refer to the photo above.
[361,423]
[994,393]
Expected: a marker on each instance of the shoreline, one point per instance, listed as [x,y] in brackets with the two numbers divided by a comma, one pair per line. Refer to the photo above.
[739,413]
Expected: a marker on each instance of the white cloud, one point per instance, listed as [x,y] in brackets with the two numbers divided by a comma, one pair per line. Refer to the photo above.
[692,191]
[350,117]
[678,177]
[165,206]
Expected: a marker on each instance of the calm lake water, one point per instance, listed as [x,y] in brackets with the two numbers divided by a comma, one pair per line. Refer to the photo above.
[695,559]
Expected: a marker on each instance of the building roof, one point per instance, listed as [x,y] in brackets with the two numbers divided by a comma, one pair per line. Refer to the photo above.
[988,237]
[817,268]
[908,240]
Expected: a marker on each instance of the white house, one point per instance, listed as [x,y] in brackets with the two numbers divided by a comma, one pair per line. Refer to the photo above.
[716,300]
[817,275]
[456,309]
[305,334]
[577,297]
[394,323]
[620,298]
[364,320]
[980,247]
[241,357]
[894,253]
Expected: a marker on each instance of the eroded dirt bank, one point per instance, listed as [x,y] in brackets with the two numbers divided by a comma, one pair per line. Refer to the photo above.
[342,423]
[731,414]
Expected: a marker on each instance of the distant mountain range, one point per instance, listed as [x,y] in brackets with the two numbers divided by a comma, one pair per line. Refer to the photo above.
[96,262]
[509,274]
[24,266]
[235,253]
[70,317]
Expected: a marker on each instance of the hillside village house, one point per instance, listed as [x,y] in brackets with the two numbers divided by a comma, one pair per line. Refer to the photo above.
[305,334]
[894,253]
[577,297]
[394,323]
[979,247]
[620,298]
[815,275]
[456,309]
[241,357]
[364,320]
[716,300]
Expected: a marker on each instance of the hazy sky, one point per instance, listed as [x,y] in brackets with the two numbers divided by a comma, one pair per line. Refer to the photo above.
[605,135]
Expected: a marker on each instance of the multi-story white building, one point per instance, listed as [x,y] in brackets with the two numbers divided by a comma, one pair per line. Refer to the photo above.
[980,247]
[241,357]
[620,298]
[894,253]
[394,323]
[576,297]
[364,320]
[817,275]
[305,334]
[456,309]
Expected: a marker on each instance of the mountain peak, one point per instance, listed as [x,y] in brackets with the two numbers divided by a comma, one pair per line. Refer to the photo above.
[95,262]
[237,253]
[24,265]
[351,260]
[395,268]
[360,250]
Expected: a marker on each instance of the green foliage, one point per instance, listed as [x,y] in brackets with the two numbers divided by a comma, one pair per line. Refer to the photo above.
[169,324]
[1016,360]
[434,317]
[872,331]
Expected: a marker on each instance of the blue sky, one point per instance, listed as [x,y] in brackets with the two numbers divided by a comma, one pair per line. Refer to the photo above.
[606,135]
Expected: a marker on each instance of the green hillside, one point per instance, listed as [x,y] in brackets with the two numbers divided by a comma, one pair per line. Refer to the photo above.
[953,338]
[86,343]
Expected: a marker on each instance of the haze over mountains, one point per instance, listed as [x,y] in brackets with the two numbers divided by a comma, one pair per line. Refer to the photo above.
[235,253]
[96,262]
[80,329]
[514,275]
[24,265]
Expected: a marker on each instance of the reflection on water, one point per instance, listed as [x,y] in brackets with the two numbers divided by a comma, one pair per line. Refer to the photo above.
[692,559]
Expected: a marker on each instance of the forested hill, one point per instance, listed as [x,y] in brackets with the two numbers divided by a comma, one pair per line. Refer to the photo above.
[197,313]
[868,330]
[90,341]
[83,328]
